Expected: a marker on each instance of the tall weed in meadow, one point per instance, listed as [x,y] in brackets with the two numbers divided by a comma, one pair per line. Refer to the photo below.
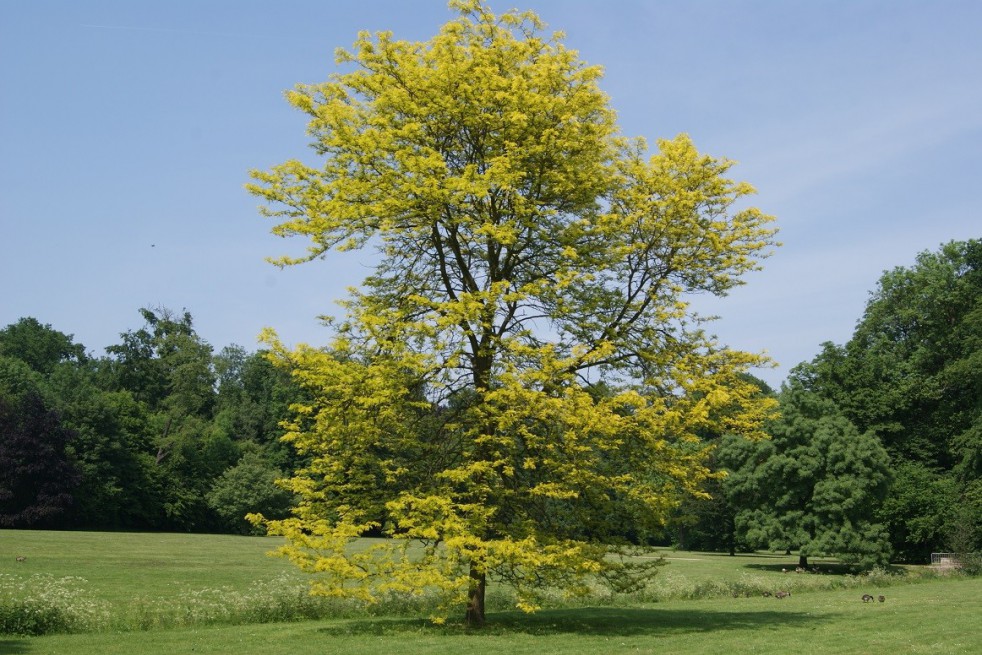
[42,604]
[672,586]
[281,599]
[680,587]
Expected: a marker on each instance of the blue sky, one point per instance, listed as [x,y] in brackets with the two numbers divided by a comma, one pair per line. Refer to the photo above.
[127,130]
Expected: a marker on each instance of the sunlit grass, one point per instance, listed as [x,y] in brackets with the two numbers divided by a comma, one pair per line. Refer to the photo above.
[121,567]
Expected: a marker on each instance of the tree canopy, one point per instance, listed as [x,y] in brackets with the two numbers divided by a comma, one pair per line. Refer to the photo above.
[37,479]
[912,375]
[814,486]
[39,346]
[522,371]
[153,436]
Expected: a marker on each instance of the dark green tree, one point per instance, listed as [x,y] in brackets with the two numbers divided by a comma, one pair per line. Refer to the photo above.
[108,426]
[254,396]
[168,367]
[154,424]
[37,479]
[815,486]
[113,450]
[912,375]
[246,488]
[39,346]
[710,523]
[919,510]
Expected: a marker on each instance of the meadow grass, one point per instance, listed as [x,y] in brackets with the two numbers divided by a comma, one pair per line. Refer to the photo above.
[121,567]
[163,593]
[939,616]
[90,581]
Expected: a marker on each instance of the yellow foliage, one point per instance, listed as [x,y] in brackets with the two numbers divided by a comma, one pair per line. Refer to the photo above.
[520,383]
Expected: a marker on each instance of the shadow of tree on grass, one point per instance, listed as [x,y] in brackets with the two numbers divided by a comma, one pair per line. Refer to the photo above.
[834,569]
[824,568]
[13,646]
[622,622]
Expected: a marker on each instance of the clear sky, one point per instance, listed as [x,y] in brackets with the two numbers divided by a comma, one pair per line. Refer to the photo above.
[127,130]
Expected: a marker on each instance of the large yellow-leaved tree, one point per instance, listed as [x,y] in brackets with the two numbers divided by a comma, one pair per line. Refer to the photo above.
[516,391]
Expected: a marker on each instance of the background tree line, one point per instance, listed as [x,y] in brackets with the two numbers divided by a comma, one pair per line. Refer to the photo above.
[161,433]
[876,455]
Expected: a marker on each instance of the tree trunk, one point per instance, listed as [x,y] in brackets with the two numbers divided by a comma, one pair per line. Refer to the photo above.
[803,561]
[475,598]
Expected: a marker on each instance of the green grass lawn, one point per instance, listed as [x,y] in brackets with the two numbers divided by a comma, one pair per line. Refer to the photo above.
[122,566]
[123,570]
[933,617]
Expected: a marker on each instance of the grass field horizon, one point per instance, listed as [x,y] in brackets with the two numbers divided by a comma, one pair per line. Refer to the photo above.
[690,608]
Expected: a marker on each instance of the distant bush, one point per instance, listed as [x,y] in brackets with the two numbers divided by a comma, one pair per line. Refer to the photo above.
[248,487]
[970,564]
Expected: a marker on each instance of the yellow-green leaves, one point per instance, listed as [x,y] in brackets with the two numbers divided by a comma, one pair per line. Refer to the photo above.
[520,384]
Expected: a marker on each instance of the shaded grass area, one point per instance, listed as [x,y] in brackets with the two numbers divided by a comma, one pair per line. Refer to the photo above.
[939,616]
[715,565]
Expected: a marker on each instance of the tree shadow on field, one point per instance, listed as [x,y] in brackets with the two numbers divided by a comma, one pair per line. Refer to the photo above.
[622,622]
[821,567]
[824,568]
[13,646]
